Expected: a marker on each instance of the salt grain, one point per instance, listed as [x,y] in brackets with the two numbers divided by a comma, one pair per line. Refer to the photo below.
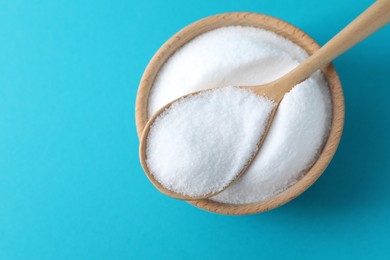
[237,56]
[202,142]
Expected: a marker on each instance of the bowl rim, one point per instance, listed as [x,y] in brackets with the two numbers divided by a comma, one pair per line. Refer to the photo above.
[288,31]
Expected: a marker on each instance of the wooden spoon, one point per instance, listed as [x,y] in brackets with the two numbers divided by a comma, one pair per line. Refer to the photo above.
[371,20]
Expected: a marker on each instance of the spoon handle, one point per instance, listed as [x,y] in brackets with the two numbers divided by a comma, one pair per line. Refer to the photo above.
[371,20]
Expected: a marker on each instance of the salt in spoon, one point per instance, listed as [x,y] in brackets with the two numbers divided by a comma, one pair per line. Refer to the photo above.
[372,19]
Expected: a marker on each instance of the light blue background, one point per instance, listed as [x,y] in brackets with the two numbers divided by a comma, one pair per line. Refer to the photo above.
[71,186]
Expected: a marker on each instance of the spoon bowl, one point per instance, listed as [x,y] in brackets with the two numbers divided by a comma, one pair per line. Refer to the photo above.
[264,123]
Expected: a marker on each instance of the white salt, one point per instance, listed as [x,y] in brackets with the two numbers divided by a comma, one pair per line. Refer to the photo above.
[202,142]
[236,56]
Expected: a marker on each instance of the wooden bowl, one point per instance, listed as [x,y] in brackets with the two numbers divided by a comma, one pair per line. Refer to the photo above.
[286,30]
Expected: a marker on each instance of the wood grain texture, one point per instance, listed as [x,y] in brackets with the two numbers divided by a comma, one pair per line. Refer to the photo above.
[286,30]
